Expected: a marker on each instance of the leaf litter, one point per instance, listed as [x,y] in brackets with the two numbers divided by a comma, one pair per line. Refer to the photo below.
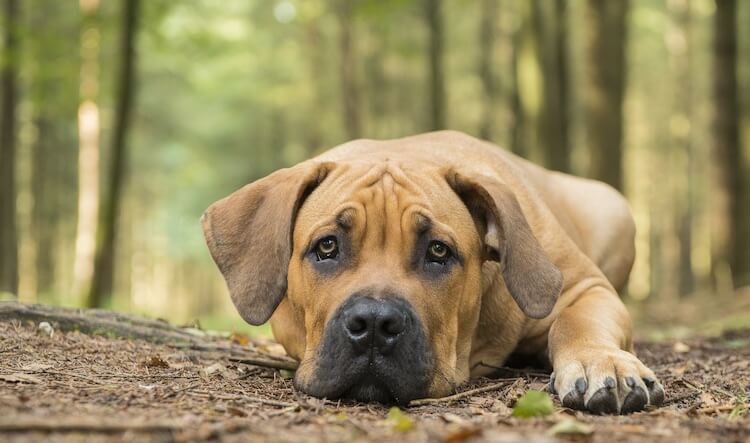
[70,386]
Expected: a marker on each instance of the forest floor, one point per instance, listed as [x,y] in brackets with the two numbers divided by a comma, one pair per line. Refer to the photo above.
[70,386]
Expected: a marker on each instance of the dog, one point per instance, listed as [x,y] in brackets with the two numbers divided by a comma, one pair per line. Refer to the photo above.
[395,270]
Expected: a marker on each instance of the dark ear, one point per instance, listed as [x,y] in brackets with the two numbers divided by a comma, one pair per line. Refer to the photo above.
[531,278]
[249,235]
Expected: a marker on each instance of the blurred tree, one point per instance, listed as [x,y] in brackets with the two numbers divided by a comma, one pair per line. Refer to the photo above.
[104,265]
[348,63]
[528,82]
[605,73]
[88,155]
[730,224]
[434,19]
[51,86]
[487,36]
[8,236]
[552,29]
[518,144]
[681,57]
[316,61]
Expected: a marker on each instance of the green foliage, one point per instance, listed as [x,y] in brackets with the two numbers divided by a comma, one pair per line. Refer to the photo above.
[230,91]
[399,421]
[533,404]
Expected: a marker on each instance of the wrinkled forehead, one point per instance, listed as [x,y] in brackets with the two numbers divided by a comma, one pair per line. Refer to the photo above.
[391,195]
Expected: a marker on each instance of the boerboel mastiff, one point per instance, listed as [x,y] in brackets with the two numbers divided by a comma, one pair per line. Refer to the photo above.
[398,269]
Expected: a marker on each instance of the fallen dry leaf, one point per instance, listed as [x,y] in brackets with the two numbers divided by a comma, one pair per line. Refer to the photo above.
[570,426]
[462,434]
[155,361]
[220,369]
[236,412]
[239,338]
[501,408]
[453,418]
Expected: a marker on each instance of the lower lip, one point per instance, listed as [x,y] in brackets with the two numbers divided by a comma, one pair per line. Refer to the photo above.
[370,388]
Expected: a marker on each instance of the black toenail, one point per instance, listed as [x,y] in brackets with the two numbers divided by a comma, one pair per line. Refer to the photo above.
[610,382]
[581,385]
[656,394]
[649,381]
[603,401]
[573,400]
[635,401]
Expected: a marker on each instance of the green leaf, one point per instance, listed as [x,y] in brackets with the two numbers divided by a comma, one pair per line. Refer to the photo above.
[533,404]
[570,426]
[399,421]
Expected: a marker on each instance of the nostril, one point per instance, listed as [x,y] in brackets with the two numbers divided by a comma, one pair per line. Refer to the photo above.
[391,326]
[356,325]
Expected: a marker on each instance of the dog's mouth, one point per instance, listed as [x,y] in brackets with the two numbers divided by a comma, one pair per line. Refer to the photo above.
[367,380]
[371,389]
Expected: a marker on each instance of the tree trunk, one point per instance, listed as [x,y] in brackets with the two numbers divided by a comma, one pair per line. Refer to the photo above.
[554,52]
[727,158]
[312,43]
[433,16]
[518,143]
[88,151]
[44,211]
[684,184]
[348,65]
[104,266]
[487,36]
[606,21]
[8,235]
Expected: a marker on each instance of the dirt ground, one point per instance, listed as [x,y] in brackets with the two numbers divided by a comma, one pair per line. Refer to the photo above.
[76,387]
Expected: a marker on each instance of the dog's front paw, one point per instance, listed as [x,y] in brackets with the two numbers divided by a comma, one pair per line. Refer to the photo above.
[605,381]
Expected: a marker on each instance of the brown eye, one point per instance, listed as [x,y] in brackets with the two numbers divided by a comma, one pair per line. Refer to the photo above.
[438,252]
[327,248]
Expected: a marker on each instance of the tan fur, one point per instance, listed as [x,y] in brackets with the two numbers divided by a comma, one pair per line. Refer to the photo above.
[583,227]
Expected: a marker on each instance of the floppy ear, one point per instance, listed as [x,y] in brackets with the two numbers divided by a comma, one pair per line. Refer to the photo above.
[531,278]
[249,235]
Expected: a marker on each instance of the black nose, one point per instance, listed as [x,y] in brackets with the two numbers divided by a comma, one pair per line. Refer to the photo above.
[371,323]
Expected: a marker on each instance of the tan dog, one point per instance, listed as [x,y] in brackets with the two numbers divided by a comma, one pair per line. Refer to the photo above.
[398,269]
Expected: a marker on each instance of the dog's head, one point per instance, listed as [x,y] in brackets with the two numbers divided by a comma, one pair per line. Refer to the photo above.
[372,273]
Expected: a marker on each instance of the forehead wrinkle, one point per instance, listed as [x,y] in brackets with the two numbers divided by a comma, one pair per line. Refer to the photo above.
[345,218]
[422,221]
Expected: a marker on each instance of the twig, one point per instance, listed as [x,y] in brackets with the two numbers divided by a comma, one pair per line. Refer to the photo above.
[71,424]
[183,389]
[273,363]
[526,372]
[464,394]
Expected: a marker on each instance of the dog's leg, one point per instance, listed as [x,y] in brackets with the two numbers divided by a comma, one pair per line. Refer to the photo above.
[591,352]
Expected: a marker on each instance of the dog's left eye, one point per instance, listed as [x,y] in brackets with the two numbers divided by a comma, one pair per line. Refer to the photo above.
[327,249]
[438,252]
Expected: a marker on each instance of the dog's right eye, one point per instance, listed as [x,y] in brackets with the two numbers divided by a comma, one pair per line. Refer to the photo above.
[327,249]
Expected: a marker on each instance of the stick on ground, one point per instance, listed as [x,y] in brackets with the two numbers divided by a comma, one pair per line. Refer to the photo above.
[464,394]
